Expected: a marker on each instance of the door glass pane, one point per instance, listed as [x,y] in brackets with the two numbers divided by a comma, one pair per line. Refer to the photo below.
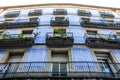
[14,58]
[104,60]
[104,66]
[63,69]
[55,71]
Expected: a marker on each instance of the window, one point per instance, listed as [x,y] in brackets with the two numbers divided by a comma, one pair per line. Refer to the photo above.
[27,33]
[11,15]
[59,69]
[91,32]
[118,33]
[15,56]
[59,12]
[1,33]
[60,19]
[105,59]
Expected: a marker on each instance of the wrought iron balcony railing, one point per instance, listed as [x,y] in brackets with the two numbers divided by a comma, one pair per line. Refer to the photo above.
[103,40]
[14,70]
[59,12]
[95,23]
[34,14]
[84,13]
[11,15]
[59,39]
[20,23]
[59,21]
[16,40]
[106,15]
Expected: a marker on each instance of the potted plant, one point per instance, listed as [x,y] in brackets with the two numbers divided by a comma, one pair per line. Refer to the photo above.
[102,38]
[58,32]
[6,36]
[25,38]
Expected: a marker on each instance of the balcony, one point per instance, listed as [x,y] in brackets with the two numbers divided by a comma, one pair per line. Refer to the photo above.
[73,70]
[34,14]
[103,40]
[95,23]
[59,21]
[59,40]
[84,13]
[59,12]
[15,40]
[10,16]
[106,15]
[22,23]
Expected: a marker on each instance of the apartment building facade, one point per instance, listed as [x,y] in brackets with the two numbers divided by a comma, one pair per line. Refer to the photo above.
[60,41]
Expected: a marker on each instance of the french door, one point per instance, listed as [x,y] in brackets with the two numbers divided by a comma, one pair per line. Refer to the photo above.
[59,65]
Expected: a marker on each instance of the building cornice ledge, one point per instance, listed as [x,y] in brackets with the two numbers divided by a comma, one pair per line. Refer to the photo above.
[49,4]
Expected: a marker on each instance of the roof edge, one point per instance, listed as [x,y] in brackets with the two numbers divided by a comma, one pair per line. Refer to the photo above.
[72,4]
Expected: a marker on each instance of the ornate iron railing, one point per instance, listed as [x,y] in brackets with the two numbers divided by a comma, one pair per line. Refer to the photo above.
[22,22]
[107,23]
[84,13]
[60,69]
[59,39]
[59,21]
[16,40]
[103,40]
[59,12]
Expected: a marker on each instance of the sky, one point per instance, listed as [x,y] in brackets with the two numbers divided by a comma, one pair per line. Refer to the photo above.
[107,3]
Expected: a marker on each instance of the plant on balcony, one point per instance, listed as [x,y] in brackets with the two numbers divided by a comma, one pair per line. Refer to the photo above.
[20,35]
[65,36]
[58,32]
[36,33]
[25,38]
[1,38]
[59,39]
[102,38]
[6,36]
